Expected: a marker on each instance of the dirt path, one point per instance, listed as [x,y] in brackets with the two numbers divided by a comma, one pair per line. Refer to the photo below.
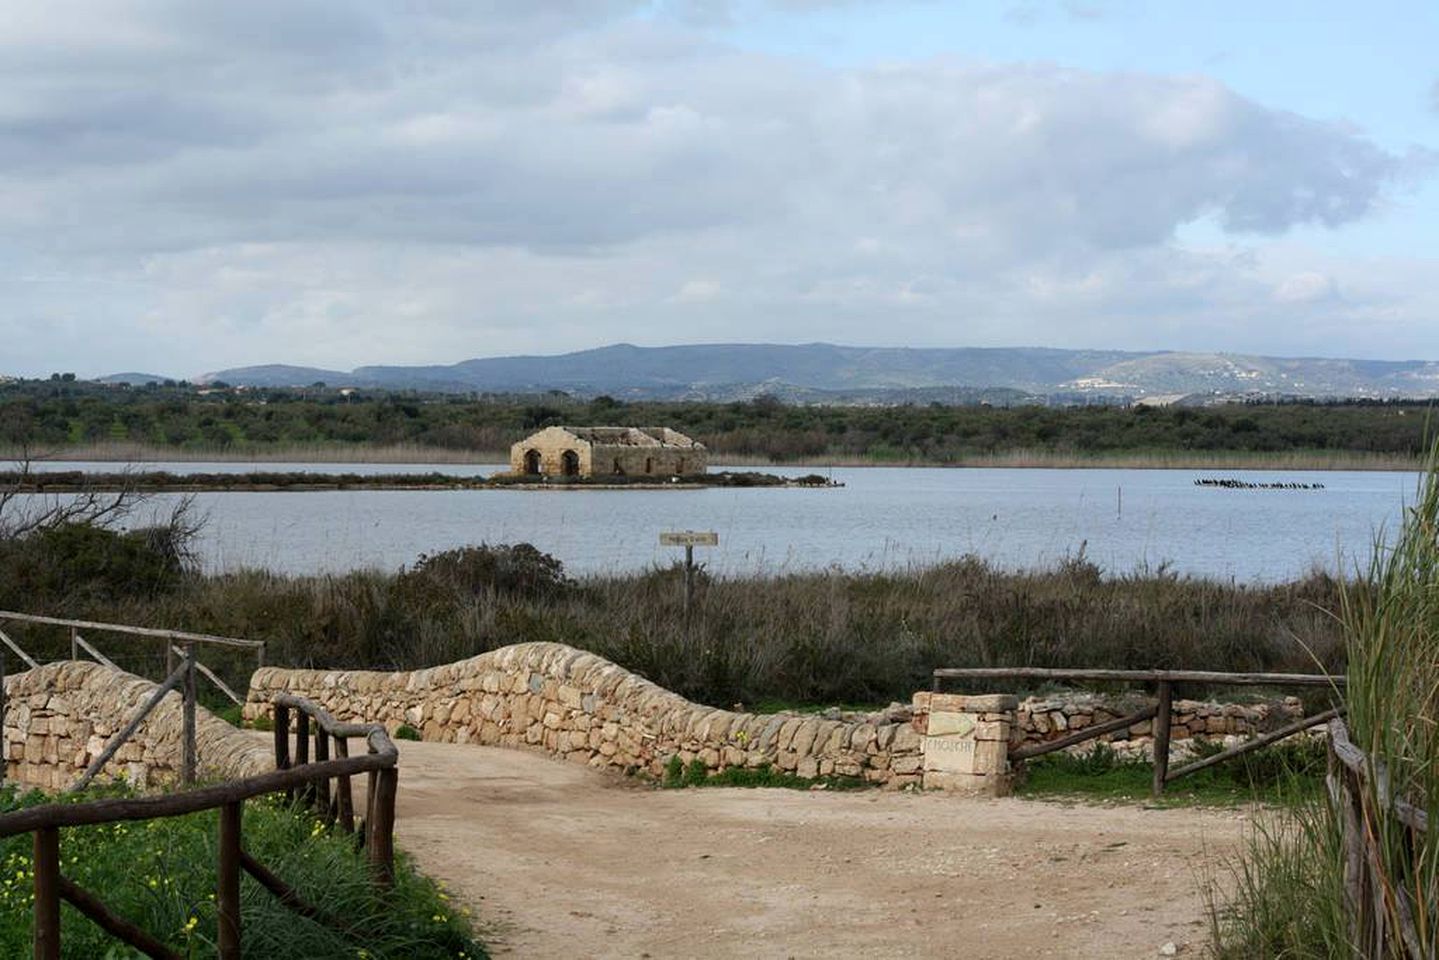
[561,861]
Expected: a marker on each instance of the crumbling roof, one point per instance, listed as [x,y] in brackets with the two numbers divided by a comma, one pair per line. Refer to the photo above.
[632,437]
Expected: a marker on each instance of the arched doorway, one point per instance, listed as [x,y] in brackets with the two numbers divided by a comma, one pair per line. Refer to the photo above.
[532,462]
[649,465]
[570,463]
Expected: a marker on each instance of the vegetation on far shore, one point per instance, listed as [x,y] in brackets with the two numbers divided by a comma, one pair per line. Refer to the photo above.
[87,420]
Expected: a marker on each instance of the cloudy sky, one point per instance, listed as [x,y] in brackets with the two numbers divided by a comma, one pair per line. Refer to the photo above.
[187,185]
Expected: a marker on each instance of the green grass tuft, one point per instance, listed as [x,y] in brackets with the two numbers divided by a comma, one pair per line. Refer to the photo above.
[1286,773]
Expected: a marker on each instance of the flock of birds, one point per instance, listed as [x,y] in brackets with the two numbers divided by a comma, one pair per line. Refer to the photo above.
[1229,483]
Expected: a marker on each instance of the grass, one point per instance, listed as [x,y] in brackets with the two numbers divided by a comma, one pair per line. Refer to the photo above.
[1286,893]
[793,639]
[678,775]
[1284,774]
[160,874]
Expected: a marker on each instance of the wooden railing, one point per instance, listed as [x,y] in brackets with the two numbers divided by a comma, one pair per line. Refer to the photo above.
[1385,918]
[182,677]
[176,642]
[296,775]
[1158,714]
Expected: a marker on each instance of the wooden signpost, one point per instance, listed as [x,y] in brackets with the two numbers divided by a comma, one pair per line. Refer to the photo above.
[689,539]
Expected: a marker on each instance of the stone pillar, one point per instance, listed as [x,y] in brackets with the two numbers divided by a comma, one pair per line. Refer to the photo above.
[965,741]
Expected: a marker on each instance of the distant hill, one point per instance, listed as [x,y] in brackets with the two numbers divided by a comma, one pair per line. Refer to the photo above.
[134,379]
[822,371]
[277,375]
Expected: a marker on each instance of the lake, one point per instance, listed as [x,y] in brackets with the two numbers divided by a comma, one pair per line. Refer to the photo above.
[883,518]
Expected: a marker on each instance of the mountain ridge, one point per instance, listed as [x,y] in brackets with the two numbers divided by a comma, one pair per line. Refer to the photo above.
[721,371]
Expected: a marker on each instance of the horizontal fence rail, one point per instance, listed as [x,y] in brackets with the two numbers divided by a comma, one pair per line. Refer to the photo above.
[295,775]
[1160,714]
[179,648]
[1141,676]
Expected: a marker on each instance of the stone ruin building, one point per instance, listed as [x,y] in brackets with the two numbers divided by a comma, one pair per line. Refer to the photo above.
[608,452]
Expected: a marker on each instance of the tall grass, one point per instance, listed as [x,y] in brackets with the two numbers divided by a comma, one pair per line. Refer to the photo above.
[1288,895]
[822,637]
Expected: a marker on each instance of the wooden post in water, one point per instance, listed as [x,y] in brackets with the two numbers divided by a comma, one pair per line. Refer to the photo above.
[227,886]
[1160,727]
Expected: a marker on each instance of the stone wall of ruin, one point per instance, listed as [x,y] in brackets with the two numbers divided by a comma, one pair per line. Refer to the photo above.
[59,716]
[572,704]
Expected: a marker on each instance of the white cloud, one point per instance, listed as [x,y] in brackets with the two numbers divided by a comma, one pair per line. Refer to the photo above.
[1304,288]
[341,183]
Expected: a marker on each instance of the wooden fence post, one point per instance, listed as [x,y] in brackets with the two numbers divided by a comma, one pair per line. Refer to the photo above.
[302,749]
[188,759]
[282,737]
[322,785]
[381,848]
[227,887]
[1160,726]
[344,797]
[47,893]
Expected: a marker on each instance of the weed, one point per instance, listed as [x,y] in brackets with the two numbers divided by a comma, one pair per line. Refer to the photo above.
[406,732]
[160,874]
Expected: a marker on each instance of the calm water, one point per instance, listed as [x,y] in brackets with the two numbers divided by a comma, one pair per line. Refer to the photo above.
[1124,520]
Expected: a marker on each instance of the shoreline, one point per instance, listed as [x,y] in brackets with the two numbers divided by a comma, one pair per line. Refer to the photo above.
[1015,459]
[77,482]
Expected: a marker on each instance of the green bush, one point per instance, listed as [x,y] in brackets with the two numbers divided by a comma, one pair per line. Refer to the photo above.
[517,570]
[80,561]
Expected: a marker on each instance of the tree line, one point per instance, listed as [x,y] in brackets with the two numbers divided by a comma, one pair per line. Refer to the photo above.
[55,414]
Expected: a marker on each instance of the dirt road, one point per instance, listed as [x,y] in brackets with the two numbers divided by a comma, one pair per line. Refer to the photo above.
[561,861]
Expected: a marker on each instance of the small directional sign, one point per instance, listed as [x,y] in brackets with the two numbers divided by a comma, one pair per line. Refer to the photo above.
[689,538]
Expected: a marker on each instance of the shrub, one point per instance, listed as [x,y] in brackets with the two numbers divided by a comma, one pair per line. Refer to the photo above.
[76,561]
[518,570]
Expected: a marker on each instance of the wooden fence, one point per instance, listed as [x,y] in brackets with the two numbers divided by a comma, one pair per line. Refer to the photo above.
[182,677]
[296,774]
[1385,915]
[1158,714]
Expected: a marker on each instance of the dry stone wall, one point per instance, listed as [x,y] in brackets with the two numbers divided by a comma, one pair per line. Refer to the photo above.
[579,706]
[59,716]
[1041,719]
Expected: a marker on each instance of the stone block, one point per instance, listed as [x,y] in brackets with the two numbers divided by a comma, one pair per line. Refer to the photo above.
[944,723]
[963,703]
[954,754]
[992,730]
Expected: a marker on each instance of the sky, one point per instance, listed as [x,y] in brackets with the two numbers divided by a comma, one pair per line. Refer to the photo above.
[192,185]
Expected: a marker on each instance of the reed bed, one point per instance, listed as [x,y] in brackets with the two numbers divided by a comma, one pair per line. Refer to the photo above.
[824,637]
[1287,895]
